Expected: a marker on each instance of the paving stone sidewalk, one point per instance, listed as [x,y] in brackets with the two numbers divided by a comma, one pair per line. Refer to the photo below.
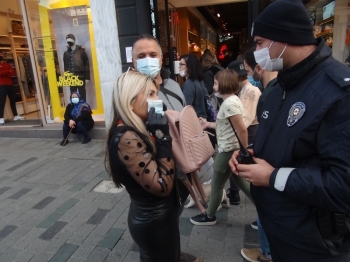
[50,212]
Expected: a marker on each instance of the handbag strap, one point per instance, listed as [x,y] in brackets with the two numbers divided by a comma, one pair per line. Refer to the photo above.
[170,93]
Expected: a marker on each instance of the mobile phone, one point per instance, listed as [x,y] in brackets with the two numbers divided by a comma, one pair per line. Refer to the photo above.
[157,104]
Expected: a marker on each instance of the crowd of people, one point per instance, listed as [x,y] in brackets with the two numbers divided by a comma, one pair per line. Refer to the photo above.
[287,100]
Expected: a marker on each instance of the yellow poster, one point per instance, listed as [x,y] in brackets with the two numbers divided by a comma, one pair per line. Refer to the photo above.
[70,56]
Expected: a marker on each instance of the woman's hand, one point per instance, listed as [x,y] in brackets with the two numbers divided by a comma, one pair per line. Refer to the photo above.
[72,123]
[204,123]
[157,122]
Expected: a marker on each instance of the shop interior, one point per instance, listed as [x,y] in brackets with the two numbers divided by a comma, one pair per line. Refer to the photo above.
[222,28]
[15,50]
[226,27]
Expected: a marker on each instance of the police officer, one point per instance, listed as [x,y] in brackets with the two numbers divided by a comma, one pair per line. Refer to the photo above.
[301,180]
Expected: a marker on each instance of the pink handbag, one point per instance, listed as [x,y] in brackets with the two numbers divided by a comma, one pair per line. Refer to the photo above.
[191,145]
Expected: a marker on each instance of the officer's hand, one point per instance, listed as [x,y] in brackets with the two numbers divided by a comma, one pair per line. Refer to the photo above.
[157,122]
[258,174]
[233,161]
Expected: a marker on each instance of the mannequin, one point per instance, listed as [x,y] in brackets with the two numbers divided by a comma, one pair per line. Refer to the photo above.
[76,63]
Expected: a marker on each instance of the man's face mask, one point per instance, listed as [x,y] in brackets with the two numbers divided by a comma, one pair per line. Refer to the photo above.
[70,43]
[148,66]
[262,57]
[254,79]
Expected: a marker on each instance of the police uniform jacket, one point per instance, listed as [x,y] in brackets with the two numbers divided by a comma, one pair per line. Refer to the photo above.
[304,133]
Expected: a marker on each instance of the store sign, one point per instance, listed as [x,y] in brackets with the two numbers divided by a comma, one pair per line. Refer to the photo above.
[69,79]
[223,38]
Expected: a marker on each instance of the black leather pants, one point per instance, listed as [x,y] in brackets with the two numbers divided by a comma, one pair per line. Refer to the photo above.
[155,228]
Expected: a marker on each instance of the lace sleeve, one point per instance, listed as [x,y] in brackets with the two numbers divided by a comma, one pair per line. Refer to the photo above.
[154,175]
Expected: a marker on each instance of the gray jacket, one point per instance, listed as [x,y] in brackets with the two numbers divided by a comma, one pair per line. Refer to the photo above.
[170,101]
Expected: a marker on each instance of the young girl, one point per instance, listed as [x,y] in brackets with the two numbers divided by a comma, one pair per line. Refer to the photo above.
[144,165]
[225,83]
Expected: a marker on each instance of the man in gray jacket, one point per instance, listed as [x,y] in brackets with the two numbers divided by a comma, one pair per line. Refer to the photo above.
[147,59]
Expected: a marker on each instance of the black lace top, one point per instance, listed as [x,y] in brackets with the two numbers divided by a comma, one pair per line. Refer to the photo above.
[132,164]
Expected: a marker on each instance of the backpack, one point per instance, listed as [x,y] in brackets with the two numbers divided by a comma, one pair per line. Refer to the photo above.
[209,109]
[191,145]
[215,101]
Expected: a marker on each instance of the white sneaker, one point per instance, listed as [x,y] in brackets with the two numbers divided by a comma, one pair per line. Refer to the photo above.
[18,117]
[2,122]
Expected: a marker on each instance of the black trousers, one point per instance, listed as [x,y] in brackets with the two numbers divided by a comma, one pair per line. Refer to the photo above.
[155,229]
[80,89]
[79,129]
[10,92]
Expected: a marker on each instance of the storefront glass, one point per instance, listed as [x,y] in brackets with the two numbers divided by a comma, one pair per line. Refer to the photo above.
[14,50]
[63,42]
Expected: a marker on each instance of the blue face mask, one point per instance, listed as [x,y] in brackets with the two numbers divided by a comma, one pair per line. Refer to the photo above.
[148,66]
[254,83]
[75,100]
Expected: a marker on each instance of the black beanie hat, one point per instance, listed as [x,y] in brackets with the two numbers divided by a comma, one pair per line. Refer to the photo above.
[71,36]
[285,21]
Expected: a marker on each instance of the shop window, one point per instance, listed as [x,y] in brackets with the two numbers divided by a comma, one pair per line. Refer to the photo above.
[63,41]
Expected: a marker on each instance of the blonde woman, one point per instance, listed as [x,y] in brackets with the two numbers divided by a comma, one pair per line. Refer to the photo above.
[144,165]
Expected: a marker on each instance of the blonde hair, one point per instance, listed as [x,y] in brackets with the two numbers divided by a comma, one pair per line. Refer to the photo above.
[208,60]
[125,90]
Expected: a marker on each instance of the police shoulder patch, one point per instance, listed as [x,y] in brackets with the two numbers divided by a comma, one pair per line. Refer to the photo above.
[295,113]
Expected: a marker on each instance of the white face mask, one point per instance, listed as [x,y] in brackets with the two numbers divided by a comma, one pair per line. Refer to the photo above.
[157,104]
[183,73]
[262,57]
[218,95]
[75,100]
[148,66]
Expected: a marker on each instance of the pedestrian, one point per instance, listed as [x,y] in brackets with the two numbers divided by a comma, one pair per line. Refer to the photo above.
[268,80]
[194,89]
[301,181]
[147,59]
[250,63]
[7,89]
[140,158]
[77,119]
[249,95]
[226,83]
[210,67]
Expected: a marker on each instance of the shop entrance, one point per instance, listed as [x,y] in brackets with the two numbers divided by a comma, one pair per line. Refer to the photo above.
[14,50]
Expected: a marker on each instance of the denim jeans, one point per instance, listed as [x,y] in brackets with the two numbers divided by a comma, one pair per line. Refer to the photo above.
[264,243]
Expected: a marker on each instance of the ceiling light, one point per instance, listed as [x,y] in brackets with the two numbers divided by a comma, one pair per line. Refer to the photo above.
[229,34]
[218,14]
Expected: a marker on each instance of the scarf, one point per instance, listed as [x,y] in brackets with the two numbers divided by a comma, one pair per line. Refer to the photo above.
[78,107]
